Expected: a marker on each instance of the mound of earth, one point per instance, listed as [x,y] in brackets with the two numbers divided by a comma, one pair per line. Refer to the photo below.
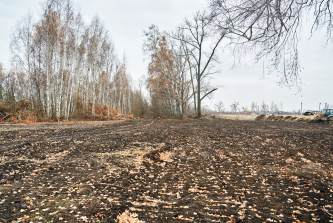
[261,118]
[292,119]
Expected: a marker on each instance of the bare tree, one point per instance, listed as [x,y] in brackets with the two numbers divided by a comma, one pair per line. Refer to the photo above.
[219,106]
[245,110]
[234,107]
[264,107]
[271,28]
[272,106]
[257,107]
[202,46]
[254,107]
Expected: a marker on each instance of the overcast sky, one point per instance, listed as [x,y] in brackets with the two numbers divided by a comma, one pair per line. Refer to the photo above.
[126,19]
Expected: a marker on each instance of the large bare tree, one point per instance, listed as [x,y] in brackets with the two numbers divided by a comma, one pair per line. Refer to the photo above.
[201,45]
[271,28]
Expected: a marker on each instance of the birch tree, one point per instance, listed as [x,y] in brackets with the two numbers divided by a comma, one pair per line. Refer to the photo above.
[2,79]
[67,66]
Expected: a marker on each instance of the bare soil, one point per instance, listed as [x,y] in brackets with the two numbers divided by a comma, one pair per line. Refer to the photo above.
[207,170]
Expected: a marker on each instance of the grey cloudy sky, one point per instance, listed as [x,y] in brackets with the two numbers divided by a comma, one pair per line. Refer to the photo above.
[126,20]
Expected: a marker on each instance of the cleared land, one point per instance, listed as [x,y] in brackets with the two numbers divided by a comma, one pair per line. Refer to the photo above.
[286,118]
[207,170]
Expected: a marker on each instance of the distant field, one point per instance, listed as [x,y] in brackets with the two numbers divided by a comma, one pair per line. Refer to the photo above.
[237,117]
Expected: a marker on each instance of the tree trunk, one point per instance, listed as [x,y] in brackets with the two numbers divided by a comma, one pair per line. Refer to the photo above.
[199,98]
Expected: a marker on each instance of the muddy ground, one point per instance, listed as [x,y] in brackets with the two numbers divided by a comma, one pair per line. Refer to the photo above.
[206,170]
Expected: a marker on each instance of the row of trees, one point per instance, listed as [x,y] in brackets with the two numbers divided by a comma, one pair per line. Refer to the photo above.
[235,107]
[64,67]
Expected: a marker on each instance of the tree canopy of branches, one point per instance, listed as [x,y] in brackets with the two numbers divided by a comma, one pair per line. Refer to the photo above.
[66,68]
[273,28]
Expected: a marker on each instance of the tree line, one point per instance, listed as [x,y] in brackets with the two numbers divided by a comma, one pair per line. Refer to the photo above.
[255,107]
[65,68]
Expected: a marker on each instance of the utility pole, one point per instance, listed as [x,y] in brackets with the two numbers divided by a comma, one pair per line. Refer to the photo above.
[319,106]
[301,108]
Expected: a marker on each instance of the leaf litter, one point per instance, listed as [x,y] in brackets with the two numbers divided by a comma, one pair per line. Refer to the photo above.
[167,171]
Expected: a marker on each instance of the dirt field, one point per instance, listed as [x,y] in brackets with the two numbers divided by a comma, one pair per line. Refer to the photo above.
[284,118]
[206,170]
